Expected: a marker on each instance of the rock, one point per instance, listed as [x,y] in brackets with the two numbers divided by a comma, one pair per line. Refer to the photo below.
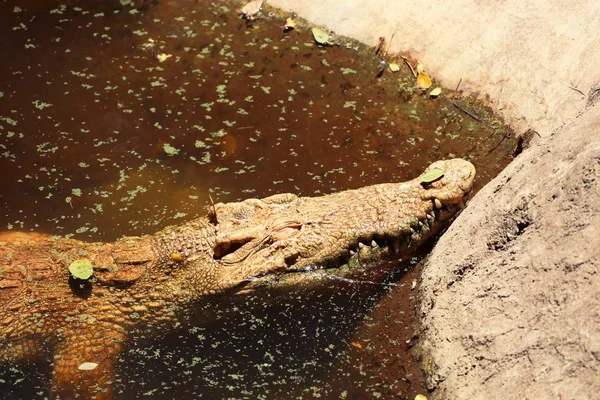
[510,301]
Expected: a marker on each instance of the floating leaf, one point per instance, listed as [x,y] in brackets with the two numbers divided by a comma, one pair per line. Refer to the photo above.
[170,150]
[357,345]
[420,397]
[87,366]
[394,67]
[289,23]
[176,257]
[432,175]
[162,57]
[81,268]
[320,36]
[419,68]
[423,80]
[435,92]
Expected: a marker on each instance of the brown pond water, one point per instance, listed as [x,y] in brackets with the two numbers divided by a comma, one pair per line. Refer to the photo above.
[100,139]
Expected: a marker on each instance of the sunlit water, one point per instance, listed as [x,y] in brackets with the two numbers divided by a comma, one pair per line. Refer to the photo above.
[99,138]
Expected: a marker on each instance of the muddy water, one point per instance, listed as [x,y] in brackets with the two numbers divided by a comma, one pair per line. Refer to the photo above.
[119,120]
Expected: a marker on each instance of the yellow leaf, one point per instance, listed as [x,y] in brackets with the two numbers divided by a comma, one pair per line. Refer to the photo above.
[290,23]
[420,397]
[357,345]
[176,257]
[423,80]
[394,67]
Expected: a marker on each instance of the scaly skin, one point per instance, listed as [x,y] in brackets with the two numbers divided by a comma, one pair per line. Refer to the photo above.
[148,282]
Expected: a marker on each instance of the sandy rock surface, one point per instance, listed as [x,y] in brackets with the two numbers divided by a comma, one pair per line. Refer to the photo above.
[510,301]
[510,297]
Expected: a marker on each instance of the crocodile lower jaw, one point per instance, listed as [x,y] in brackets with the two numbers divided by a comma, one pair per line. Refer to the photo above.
[359,258]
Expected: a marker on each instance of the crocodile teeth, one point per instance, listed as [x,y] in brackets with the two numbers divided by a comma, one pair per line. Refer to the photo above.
[361,245]
[374,243]
[352,252]
[438,204]
[396,244]
[405,243]
[431,218]
[364,253]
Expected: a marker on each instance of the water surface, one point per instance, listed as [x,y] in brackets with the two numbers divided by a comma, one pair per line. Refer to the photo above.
[99,138]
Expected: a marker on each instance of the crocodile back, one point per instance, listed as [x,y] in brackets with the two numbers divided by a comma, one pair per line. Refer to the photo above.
[26,259]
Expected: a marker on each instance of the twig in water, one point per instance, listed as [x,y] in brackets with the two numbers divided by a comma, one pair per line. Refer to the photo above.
[409,66]
[214,208]
[470,114]
[387,51]
[456,90]
[504,137]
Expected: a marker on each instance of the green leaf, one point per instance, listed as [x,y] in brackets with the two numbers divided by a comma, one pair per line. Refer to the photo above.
[394,67]
[320,36]
[81,268]
[435,92]
[432,175]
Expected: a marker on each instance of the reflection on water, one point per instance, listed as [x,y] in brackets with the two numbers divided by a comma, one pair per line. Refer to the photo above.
[100,139]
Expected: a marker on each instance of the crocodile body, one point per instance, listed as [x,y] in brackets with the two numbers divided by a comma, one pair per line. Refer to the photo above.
[148,282]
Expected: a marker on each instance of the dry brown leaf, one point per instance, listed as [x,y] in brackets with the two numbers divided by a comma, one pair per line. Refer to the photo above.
[423,80]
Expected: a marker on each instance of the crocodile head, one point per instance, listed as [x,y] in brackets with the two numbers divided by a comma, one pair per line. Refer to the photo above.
[285,233]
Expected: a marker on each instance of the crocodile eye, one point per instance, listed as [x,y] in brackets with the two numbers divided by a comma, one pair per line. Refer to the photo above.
[226,248]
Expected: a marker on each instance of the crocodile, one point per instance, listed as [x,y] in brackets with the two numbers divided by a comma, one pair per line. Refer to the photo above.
[147,283]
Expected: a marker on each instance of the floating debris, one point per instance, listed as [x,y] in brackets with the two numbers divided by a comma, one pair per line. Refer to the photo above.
[170,150]
[423,80]
[162,57]
[149,45]
[289,24]
[435,92]
[87,366]
[394,67]
[321,36]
